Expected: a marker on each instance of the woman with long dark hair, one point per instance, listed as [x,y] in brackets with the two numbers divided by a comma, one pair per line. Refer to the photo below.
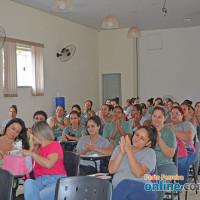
[129,163]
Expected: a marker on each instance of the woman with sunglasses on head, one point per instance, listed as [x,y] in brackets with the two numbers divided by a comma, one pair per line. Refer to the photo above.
[185,133]
[166,146]
[129,163]
[14,136]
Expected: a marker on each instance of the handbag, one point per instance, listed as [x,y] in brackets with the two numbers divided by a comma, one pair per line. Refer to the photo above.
[182,150]
[17,164]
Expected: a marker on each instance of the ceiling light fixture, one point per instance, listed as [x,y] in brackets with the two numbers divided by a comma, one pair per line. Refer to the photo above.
[110,21]
[134,31]
[62,6]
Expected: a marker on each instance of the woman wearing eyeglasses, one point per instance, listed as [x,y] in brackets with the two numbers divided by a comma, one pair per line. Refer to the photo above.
[166,146]
[185,133]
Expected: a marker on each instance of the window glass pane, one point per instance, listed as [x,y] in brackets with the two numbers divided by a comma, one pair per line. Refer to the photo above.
[24,66]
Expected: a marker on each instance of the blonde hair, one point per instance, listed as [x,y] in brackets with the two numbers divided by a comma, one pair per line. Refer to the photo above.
[42,131]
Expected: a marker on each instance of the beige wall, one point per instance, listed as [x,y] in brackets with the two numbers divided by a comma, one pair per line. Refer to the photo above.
[76,79]
[117,55]
[174,68]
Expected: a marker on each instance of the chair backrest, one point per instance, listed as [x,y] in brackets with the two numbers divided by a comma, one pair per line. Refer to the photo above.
[71,163]
[6,184]
[83,188]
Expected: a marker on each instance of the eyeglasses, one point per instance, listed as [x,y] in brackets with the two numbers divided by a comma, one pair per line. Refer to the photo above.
[175,113]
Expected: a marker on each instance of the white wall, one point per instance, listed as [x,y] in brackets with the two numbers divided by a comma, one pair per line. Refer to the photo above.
[174,69]
[116,53]
[76,80]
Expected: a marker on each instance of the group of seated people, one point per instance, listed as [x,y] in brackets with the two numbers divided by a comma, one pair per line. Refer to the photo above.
[140,138]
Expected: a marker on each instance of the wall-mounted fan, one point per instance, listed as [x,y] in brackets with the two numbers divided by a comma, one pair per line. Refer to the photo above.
[2,37]
[66,53]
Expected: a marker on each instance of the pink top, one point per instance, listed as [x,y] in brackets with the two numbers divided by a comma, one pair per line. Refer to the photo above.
[58,168]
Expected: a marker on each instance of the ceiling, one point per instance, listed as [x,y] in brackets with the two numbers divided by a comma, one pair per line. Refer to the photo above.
[148,16]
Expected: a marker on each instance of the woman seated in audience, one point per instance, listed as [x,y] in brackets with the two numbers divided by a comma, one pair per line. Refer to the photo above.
[38,116]
[166,146]
[59,122]
[75,130]
[135,101]
[92,144]
[117,128]
[14,136]
[137,119]
[144,111]
[188,102]
[77,108]
[104,116]
[115,102]
[175,104]
[129,163]
[88,112]
[157,102]
[197,113]
[12,114]
[186,115]
[111,108]
[150,103]
[185,133]
[48,164]
[127,108]
[169,107]
[108,101]
[191,111]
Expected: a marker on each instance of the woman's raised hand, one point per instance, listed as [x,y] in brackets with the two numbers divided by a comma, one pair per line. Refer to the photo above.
[128,146]
[122,144]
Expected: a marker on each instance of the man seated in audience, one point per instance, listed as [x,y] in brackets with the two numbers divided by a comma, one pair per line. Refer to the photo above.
[117,128]
[59,122]
[38,116]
